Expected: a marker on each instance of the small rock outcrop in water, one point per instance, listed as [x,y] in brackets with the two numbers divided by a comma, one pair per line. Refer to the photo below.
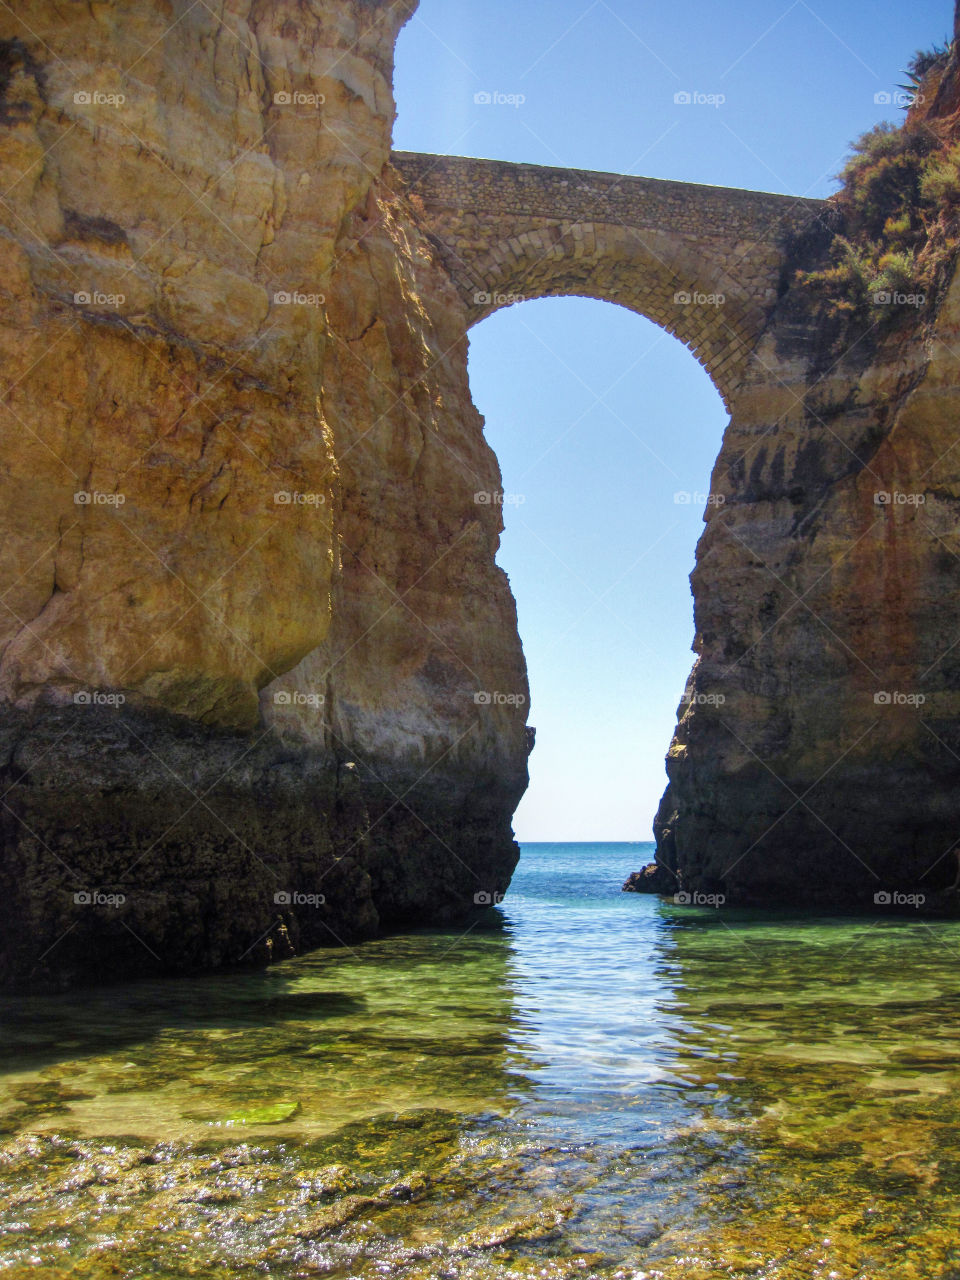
[653,878]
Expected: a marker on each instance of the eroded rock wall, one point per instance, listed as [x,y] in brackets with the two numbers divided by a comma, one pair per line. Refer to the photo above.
[817,754]
[248,597]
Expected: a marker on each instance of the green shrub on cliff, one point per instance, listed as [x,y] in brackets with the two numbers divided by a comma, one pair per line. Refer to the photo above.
[900,204]
[844,286]
[882,179]
[900,201]
[897,273]
[858,274]
[926,60]
[940,183]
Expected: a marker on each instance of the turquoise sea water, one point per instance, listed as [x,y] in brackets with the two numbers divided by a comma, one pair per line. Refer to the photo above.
[585,1083]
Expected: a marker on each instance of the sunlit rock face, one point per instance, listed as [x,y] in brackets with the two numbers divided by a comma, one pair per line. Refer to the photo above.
[262,686]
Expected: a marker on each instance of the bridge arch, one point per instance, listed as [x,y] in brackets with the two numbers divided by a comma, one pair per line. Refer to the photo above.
[704,263]
[697,302]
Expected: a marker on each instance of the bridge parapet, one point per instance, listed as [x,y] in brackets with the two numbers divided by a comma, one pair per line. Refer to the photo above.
[527,190]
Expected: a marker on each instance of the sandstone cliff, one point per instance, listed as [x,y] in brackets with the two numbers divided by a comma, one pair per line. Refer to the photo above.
[817,754]
[248,596]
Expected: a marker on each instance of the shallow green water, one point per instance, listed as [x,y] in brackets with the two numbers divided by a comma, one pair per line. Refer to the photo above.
[589,1084]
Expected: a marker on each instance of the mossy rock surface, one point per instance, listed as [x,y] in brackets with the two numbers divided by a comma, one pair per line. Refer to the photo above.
[255,1114]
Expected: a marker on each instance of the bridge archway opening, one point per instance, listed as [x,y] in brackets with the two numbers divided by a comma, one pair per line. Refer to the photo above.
[606,431]
[642,273]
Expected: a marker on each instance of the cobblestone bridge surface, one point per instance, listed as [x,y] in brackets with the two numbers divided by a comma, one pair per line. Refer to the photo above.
[704,262]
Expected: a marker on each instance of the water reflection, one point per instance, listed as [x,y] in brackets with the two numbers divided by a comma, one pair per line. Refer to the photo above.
[589,1083]
[593,974]
[314,1044]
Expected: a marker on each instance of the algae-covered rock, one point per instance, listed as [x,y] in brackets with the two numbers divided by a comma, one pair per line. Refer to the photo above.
[264,1113]
[546,1224]
[335,1216]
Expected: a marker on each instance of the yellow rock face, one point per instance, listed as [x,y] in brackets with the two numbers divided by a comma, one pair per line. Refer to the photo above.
[239,458]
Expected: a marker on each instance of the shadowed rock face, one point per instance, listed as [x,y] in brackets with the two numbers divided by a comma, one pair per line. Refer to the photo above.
[817,754]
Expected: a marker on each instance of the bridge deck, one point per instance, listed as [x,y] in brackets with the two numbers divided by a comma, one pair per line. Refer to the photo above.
[579,195]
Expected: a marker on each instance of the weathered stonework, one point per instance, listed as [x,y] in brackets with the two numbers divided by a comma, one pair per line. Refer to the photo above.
[706,263]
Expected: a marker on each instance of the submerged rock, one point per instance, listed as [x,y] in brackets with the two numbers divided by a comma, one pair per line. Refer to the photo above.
[335,1216]
[546,1224]
[269,1113]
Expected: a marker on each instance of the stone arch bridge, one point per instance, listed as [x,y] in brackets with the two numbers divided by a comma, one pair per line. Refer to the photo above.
[705,263]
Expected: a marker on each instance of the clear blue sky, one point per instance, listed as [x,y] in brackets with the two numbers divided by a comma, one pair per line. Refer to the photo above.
[597,416]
